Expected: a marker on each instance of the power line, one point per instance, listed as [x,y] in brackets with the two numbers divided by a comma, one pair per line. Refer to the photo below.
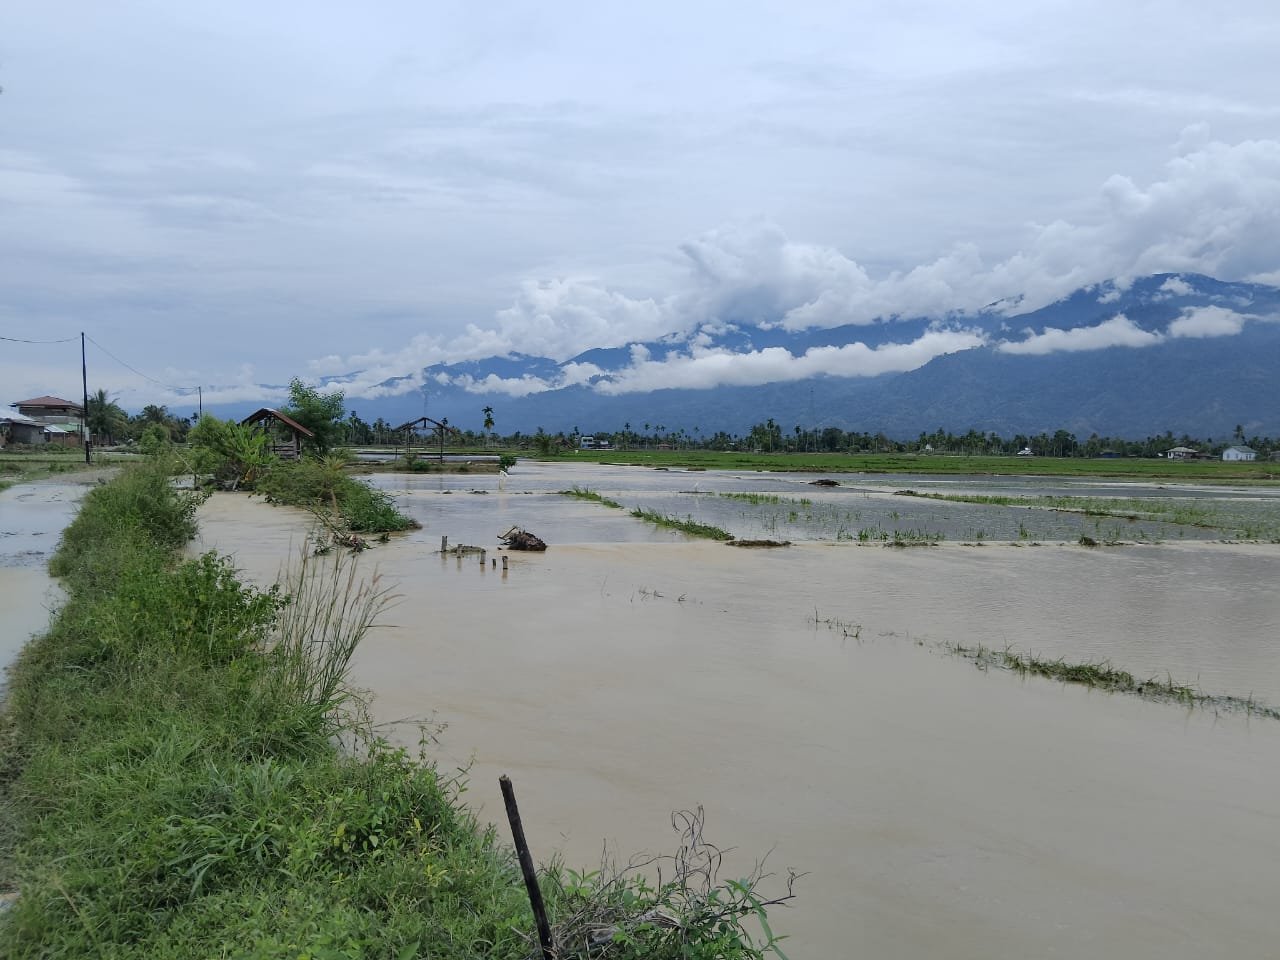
[167,386]
[20,340]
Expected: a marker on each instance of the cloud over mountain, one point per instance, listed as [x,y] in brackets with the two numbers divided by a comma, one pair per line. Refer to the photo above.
[1216,210]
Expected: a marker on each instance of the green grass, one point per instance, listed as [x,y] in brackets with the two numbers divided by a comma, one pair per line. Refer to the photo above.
[1154,468]
[1101,675]
[687,525]
[173,785]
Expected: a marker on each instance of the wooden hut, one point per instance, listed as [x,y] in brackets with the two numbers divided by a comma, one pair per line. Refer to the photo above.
[285,432]
[409,430]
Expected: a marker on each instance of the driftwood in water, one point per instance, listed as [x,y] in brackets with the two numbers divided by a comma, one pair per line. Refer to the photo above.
[517,539]
[824,482]
[759,543]
[337,536]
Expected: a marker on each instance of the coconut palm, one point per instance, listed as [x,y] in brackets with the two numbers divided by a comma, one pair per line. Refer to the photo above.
[104,418]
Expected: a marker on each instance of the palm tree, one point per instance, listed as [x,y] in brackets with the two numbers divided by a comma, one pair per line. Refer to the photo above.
[104,418]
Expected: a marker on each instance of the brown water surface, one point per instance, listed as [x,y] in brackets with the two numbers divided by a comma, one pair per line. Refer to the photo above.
[939,810]
[32,517]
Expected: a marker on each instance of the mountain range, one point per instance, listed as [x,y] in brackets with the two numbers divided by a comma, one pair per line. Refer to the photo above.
[1179,352]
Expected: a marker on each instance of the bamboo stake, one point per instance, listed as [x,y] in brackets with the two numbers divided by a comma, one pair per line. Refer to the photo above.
[526,867]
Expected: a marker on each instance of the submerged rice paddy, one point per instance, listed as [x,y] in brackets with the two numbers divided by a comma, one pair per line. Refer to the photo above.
[884,509]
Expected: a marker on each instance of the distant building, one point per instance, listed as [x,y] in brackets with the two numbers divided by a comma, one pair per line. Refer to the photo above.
[50,409]
[17,428]
[1181,453]
[44,420]
[1239,453]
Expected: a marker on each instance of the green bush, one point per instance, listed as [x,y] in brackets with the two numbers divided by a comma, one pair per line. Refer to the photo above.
[323,484]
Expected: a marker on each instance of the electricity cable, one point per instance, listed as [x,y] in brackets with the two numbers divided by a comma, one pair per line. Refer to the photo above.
[168,386]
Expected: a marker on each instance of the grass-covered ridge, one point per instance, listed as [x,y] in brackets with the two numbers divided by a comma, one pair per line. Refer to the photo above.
[173,787]
[688,525]
[1102,675]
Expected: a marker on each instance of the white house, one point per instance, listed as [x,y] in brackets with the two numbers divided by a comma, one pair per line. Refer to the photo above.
[1239,453]
[1180,453]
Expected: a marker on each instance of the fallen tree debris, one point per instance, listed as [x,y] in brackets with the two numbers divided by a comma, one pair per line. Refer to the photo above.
[517,539]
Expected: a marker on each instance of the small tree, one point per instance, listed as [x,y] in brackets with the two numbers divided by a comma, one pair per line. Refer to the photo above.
[321,413]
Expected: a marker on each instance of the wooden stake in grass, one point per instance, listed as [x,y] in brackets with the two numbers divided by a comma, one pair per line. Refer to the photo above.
[526,867]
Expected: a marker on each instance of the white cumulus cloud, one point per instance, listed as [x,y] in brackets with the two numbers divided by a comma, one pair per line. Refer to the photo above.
[1203,322]
[1119,331]
[707,369]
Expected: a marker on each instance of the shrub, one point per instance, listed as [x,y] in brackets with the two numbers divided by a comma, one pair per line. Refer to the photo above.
[323,484]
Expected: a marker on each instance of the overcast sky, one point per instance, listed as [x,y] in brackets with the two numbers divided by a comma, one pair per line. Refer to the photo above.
[235,193]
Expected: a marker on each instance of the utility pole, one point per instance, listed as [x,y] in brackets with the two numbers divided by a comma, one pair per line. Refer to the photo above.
[200,399]
[84,411]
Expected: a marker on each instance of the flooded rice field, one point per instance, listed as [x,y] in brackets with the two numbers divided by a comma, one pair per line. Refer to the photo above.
[898,507]
[804,697]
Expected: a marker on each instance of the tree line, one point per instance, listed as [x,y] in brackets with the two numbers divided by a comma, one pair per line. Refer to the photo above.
[325,414]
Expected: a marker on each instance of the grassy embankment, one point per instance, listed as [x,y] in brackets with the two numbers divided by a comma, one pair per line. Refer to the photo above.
[688,525]
[173,785]
[1133,468]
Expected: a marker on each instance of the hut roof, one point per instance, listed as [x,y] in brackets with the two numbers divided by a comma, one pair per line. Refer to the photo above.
[423,421]
[268,413]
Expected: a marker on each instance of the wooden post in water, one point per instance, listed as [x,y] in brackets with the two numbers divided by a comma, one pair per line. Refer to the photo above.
[504,564]
[482,553]
[444,544]
[526,867]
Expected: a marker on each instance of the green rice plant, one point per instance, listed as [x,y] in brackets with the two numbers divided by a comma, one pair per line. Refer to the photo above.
[914,538]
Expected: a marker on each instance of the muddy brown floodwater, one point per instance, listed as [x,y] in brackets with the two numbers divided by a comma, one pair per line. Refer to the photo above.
[938,810]
[32,517]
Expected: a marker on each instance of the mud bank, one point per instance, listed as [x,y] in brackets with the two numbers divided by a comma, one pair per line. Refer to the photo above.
[939,810]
